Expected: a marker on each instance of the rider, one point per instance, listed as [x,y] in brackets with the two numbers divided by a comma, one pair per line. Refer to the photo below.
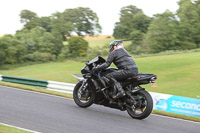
[125,64]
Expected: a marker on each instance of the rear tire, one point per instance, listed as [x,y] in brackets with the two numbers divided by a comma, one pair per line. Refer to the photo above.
[146,103]
[77,97]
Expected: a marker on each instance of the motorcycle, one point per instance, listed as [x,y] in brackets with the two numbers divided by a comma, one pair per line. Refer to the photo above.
[92,89]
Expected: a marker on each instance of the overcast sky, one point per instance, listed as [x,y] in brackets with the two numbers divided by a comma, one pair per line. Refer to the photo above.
[107,10]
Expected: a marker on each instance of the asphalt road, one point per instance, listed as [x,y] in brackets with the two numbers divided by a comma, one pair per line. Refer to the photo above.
[52,114]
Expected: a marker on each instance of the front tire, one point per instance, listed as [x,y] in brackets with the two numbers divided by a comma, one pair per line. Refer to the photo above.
[144,105]
[83,95]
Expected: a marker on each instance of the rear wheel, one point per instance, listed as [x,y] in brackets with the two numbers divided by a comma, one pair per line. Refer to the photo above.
[143,106]
[83,95]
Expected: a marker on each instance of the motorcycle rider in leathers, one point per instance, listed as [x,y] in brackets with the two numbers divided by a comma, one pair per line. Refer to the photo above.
[125,64]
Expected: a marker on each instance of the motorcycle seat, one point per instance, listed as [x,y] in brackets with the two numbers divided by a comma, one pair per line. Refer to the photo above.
[141,76]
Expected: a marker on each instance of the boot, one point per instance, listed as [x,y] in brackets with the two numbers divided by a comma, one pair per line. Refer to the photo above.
[120,93]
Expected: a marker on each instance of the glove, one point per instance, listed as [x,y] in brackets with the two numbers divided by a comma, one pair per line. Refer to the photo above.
[95,69]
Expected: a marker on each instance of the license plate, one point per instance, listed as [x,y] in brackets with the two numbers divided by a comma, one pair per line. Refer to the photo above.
[154,85]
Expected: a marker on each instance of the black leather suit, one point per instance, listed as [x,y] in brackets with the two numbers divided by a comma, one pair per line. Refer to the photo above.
[125,64]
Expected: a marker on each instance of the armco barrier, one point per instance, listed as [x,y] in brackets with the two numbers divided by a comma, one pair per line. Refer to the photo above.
[60,87]
[27,81]
[49,85]
[163,102]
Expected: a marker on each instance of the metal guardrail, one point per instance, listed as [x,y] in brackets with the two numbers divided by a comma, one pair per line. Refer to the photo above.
[49,85]
[26,81]
[60,87]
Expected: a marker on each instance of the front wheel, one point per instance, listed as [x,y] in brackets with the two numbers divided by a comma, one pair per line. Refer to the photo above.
[83,94]
[143,106]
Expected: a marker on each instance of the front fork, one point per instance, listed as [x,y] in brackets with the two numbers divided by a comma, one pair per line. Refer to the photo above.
[82,92]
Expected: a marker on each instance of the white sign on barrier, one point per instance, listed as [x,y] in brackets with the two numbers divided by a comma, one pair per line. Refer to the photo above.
[176,104]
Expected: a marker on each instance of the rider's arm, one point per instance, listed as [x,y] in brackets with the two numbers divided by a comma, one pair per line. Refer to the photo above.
[107,63]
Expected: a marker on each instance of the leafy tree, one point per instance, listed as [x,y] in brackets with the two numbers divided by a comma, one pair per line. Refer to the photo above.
[163,33]
[27,16]
[39,57]
[189,15]
[61,25]
[84,20]
[132,26]
[32,23]
[31,20]
[45,22]
[65,53]
[131,18]
[51,44]
[121,31]
[11,50]
[31,38]
[136,37]
[38,40]
[78,46]
[136,45]
[185,45]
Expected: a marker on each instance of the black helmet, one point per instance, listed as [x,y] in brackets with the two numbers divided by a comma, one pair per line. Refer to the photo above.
[117,43]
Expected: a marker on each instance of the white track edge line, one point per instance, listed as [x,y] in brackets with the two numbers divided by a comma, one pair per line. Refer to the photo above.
[19,128]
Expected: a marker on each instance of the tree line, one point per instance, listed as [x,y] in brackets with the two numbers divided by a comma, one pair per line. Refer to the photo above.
[41,38]
[166,31]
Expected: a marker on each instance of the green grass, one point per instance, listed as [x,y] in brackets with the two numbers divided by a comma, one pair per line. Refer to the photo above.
[178,74]
[56,71]
[99,42]
[8,129]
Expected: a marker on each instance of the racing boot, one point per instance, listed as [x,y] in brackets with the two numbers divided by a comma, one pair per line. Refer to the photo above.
[120,93]
[106,82]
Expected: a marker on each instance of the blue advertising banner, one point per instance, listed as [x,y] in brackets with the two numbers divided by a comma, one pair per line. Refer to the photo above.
[176,104]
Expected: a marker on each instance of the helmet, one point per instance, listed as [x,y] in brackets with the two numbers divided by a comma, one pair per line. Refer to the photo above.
[116,45]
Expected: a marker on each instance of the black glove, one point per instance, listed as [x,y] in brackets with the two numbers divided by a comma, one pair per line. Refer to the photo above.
[95,69]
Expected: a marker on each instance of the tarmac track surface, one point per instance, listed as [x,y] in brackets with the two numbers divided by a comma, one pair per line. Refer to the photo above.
[52,114]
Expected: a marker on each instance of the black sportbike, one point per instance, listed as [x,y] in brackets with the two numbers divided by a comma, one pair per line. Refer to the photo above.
[92,89]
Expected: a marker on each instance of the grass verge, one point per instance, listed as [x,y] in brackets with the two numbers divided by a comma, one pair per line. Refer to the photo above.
[42,90]
[8,129]
[185,117]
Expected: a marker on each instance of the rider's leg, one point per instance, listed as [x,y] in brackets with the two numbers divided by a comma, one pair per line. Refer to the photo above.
[121,75]
[115,84]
